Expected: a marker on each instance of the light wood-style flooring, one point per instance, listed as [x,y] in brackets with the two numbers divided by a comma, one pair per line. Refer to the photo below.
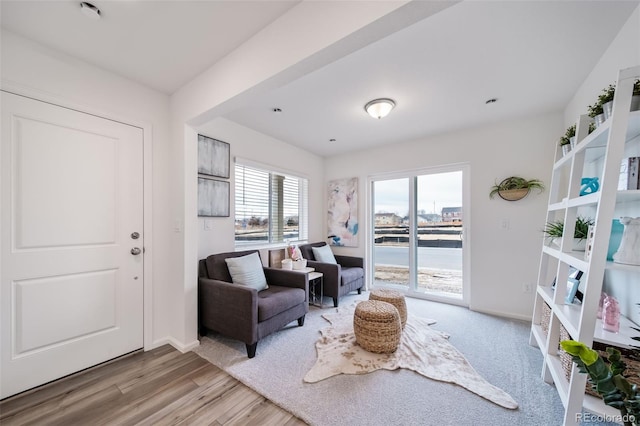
[159,387]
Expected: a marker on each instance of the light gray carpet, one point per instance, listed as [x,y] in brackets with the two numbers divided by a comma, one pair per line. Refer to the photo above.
[498,349]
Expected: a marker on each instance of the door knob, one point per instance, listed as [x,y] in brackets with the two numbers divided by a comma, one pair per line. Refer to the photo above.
[135,251]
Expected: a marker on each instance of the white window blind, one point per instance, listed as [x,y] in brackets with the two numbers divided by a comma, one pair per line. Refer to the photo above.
[270,207]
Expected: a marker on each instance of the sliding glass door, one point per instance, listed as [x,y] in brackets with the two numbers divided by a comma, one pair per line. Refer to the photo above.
[418,232]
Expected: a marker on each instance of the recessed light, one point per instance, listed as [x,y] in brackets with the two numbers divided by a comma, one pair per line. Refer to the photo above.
[277,110]
[90,10]
[332,140]
[491,101]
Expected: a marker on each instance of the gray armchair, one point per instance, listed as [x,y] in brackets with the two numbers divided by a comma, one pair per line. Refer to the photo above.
[243,313]
[338,279]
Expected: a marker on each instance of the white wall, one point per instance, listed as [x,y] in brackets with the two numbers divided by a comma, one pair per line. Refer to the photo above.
[30,68]
[624,52]
[501,261]
[251,145]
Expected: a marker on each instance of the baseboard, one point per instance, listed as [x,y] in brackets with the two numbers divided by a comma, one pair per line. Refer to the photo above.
[176,344]
[503,314]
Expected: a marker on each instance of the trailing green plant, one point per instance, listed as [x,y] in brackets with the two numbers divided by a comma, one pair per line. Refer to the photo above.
[566,138]
[515,182]
[605,375]
[555,229]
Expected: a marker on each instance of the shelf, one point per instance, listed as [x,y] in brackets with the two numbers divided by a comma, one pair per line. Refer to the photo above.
[620,339]
[628,196]
[547,294]
[585,200]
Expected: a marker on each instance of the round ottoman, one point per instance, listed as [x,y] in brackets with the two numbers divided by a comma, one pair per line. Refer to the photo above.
[377,326]
[395,298]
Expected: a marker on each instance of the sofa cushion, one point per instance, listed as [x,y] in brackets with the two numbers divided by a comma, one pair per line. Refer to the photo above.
[324,254]
[278,299]
[247,270]
[351,274]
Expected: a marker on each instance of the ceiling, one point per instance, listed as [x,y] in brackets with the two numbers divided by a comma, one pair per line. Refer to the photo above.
[529,55]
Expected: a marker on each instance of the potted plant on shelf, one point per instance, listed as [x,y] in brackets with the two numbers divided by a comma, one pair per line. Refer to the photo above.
[596,112]
[555,229]
[515,188]
[568,140]
[606,376]
[606,100]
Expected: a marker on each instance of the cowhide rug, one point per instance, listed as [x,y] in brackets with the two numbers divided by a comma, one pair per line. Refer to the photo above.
[422,349]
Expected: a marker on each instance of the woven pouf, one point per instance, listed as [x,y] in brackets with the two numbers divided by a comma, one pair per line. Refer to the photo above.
[395,298]
[376,325]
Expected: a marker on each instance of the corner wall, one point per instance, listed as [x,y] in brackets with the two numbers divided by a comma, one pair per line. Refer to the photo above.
[501,261]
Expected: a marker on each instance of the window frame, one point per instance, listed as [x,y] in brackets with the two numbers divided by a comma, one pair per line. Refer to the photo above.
[303,205]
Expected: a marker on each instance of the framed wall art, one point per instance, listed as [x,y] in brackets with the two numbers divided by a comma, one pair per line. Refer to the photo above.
[213,197]
[342,214]
[213,157]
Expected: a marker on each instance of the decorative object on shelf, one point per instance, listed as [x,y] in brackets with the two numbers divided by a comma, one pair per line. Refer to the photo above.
[572,288]
[629,250]
[515,188]
[299,264]
[614,240]
[607,378]
[606,100]
[554,230]
[568,140]
[597,113]
[287,264]
[589,245]
[589,185]
[629,174]
[610,314]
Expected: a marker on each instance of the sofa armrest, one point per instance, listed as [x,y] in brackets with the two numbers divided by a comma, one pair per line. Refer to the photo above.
[230,309]
[286,278]
[350,261]
[331,273]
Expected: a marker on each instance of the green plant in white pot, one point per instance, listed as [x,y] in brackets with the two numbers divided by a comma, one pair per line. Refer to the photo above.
[554,230]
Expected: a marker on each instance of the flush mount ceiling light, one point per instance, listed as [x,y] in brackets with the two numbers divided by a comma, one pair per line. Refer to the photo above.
[90,10]
[379,108]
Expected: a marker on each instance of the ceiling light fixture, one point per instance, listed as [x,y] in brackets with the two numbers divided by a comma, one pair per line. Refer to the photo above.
[379,108]
[90,10]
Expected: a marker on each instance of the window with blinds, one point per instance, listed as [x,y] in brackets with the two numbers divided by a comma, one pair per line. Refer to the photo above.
[270,207]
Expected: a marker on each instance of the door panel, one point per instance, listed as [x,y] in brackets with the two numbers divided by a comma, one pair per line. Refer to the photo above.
[71,291]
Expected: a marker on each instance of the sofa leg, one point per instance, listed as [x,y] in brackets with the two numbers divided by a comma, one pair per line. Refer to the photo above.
[335,302]
[251,349]
[301,321]
[360,290]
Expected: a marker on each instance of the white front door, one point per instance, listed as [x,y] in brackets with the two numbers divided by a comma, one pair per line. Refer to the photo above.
[71,206]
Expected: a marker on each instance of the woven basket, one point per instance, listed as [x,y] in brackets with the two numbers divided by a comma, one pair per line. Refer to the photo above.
[513,194]
[395,298]
[565,359]
[545,318]
[377,327]
[631,373]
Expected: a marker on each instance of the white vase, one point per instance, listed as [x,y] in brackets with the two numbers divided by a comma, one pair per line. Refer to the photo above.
[629,250]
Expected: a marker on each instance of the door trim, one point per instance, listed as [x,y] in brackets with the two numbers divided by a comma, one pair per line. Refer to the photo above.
[147,186]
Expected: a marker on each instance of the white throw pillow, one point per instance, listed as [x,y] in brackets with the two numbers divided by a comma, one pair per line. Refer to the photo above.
[247,270]
[324,254]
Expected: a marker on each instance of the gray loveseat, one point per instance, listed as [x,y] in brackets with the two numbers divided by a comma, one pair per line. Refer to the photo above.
[243,313]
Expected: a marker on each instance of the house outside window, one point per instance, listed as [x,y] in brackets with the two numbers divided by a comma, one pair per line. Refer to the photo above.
[270,207]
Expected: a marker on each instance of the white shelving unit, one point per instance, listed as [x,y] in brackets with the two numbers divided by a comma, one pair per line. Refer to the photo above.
[596,154]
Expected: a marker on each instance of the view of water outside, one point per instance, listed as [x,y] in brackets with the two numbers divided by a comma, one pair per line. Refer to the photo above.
[439,233]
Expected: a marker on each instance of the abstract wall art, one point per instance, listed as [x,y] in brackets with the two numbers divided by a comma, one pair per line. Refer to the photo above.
[213,198]
[342,214]
[213,157]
